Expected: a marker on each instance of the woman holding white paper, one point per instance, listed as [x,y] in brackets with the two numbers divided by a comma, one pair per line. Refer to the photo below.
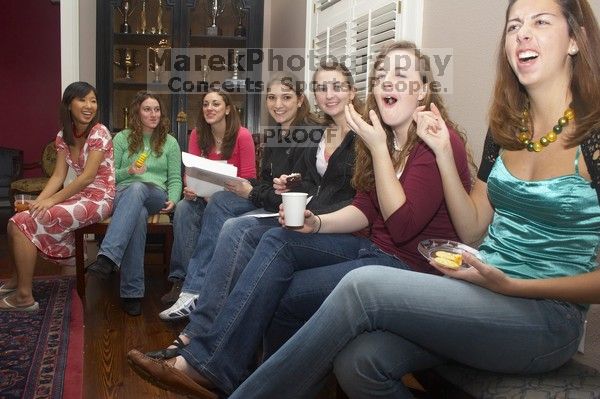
[289,110]
[218,136]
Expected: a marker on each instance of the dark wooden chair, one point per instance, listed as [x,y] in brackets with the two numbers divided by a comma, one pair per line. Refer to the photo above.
[157,224]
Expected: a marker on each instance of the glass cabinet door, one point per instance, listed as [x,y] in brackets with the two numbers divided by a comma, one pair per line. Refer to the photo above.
[134,37]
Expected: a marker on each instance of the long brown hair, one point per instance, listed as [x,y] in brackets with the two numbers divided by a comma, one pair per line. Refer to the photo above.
[159,135]
[364,176]
[291,81]
[334,65]
[73,91]
[510,97]
[206,140]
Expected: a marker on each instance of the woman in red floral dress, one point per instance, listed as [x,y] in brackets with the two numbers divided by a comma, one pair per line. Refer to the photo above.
[85,146]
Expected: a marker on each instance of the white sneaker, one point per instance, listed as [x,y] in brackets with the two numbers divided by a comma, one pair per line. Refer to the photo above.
[181,308]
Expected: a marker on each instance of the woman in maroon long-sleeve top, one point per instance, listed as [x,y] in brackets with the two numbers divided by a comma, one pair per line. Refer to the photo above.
[400,201]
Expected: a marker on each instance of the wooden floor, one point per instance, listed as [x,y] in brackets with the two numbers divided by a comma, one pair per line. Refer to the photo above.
[110,332]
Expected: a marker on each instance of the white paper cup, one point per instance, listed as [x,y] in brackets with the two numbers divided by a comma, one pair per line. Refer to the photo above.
[294,205]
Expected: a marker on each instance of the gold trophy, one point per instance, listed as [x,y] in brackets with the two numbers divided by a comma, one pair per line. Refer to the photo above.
[214,8]
[240,12]
[160,30]
[126,13]
[235,80]
[125,117]
[158,51]
[156,70]
[126,61]
[143,23]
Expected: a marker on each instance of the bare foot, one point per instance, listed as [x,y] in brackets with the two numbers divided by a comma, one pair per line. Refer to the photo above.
[185,339]
[10,284]
[181,364]
[14,301]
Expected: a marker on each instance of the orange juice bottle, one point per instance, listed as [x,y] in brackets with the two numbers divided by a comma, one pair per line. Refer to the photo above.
[21,206]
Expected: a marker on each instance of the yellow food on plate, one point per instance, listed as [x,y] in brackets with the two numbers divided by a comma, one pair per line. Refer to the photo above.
[450,264]
[456,258]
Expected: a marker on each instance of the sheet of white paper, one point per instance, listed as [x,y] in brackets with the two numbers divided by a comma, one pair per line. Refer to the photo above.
[263,215]
[206,176]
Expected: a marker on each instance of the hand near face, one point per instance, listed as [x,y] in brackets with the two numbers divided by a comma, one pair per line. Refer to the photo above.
[432,129]
[374,135]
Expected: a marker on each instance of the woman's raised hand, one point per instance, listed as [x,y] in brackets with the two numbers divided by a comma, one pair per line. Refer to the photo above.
[432,129]
[373,135]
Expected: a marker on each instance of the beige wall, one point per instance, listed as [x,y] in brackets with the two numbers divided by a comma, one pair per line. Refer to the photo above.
[287,22]
[284,27]
[472,29]
[87,41]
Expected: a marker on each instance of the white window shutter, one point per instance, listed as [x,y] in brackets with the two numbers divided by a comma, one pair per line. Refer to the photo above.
[359,28]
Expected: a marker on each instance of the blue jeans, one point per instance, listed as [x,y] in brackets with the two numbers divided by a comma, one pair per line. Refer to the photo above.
[187,221]
[306,293]
[226,353]
[222,205]
[379,324]
[236,243]
[125,238]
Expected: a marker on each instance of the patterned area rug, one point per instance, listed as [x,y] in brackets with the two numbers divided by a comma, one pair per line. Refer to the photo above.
[33,346]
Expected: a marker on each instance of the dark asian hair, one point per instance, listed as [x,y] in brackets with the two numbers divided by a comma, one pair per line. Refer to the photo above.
[73,91]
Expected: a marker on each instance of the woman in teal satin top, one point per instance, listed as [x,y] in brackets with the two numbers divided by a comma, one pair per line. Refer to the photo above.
[519,310]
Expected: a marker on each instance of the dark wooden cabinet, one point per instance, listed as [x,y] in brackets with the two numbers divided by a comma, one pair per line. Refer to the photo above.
[126,57]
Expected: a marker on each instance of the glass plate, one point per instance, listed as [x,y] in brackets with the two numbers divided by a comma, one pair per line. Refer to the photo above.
[428,248]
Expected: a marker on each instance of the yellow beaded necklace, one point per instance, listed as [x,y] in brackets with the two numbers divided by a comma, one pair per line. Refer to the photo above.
[526,137]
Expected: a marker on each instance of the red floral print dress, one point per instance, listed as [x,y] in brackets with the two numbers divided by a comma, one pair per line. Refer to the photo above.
[52,231]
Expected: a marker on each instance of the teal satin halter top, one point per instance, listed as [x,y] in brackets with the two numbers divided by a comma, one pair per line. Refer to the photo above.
[541,229]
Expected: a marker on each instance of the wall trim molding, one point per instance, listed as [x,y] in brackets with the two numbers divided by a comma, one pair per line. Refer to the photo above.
[69,43]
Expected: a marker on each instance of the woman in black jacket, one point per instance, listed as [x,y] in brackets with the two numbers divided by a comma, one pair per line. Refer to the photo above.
[327,167]
[289,110]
